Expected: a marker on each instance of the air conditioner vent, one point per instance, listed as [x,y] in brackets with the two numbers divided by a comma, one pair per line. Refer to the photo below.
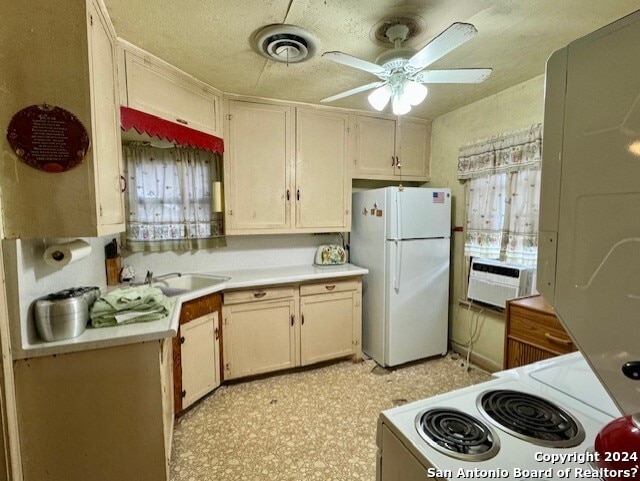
[285,43]
[493,282]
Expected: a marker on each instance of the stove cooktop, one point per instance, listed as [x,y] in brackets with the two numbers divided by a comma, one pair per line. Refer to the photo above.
[580,423]
[457,434]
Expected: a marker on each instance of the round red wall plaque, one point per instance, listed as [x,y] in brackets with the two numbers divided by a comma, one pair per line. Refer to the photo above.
[48,138]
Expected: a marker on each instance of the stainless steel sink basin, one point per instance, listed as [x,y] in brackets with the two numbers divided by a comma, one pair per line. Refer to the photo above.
[176,286]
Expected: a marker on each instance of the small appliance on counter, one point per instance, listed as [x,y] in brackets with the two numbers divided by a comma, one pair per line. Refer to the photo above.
[330,255]
[64,314]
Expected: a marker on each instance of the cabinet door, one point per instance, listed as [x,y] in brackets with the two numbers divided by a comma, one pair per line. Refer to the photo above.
[326,330]
[166,378]
[258,167]
[107,151]
[259,337]
[375,147]
[171,94]
[414,140]
[322,192]
[198,354]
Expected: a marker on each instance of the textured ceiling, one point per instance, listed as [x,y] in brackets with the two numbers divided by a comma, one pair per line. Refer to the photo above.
[211,40]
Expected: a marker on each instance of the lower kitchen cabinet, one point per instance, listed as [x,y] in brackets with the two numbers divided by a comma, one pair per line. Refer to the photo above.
[94,415]
[200,361]
[196,351]
[329,323]
[277,328]
[260,335]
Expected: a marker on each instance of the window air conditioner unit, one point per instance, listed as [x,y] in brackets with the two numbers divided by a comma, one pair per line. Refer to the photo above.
[493,282]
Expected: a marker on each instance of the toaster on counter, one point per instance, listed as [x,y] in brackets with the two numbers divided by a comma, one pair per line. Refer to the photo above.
[330,255]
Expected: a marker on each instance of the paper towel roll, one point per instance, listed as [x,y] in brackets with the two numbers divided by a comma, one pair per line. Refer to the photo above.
[60,255]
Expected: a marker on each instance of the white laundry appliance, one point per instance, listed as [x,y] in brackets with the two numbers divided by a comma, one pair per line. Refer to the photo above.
[402,235]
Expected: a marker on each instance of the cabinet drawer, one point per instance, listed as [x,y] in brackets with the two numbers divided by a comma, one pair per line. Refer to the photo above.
[258,294]
[539,329]
[328,286]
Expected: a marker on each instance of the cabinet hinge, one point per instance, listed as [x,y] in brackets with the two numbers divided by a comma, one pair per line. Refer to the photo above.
[346,212]
[348,130]
[226,321]
[91,20]
[229,116]
[101,211]
[230,212]
[227,367]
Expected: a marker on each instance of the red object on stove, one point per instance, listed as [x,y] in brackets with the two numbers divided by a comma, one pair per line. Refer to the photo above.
[163,129]
[617,444]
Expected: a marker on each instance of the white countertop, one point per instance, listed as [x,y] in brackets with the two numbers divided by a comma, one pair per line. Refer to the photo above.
[96,338]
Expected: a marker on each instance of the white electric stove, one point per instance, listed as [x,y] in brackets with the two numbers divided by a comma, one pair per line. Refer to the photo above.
[539,421]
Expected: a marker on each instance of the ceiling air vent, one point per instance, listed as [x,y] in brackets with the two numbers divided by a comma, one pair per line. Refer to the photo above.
[285,43]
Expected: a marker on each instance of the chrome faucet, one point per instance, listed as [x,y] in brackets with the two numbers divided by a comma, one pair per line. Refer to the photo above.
[166,276]
[149,279]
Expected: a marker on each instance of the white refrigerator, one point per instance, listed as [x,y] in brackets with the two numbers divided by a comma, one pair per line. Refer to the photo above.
[403,237]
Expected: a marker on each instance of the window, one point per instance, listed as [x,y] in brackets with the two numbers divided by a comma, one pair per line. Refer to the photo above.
[502,189]
[170,199]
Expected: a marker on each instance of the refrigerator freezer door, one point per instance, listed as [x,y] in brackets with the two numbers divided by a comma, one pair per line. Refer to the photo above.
[417,293]
[417,213]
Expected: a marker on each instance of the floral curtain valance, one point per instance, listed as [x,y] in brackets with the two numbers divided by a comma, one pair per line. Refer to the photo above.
[508,152]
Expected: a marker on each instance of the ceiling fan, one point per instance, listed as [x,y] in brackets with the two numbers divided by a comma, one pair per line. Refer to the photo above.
[401,69]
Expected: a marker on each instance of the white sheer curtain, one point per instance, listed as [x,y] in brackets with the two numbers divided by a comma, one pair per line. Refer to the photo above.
[169,199]
[502,177]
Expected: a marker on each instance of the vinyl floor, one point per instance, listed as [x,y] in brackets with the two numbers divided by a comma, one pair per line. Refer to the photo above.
[314,424]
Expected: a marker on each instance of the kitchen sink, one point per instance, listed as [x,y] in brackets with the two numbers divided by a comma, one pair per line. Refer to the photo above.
[176,286]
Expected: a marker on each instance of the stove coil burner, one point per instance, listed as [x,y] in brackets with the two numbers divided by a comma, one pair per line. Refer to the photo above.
[457,434]
[531,418]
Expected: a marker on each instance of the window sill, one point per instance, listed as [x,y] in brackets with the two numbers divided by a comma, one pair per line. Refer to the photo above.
[466,303]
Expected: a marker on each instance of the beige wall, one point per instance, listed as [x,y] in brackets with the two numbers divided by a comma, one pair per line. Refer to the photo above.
[511,109]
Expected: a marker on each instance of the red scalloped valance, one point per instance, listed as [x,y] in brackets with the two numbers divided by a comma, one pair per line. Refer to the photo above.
[163,129]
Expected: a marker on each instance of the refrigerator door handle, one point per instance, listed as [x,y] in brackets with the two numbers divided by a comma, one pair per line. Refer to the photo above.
[398,273]
[398,216]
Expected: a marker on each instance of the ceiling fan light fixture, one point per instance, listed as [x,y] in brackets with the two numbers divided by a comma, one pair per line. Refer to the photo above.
[380,97]
[414,92]
[400,105]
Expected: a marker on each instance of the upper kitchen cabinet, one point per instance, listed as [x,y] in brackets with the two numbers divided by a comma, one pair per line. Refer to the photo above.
[66,53]
[153,86]
[285,169]
[323,191]
[388,149]
[257,167]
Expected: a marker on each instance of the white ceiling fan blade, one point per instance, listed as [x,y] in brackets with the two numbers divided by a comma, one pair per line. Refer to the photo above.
[356,90]
[354,62]
[455,76]
[454,36]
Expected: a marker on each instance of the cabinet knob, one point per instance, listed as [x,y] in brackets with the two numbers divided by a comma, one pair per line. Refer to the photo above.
[293,319]
[182,121]
[398,162]
[298,194]
[330,287]
[302,319]
[183,394]
[259,295]
[181,339]
[288,194]
[123,183]
[393,161]
[216,334]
